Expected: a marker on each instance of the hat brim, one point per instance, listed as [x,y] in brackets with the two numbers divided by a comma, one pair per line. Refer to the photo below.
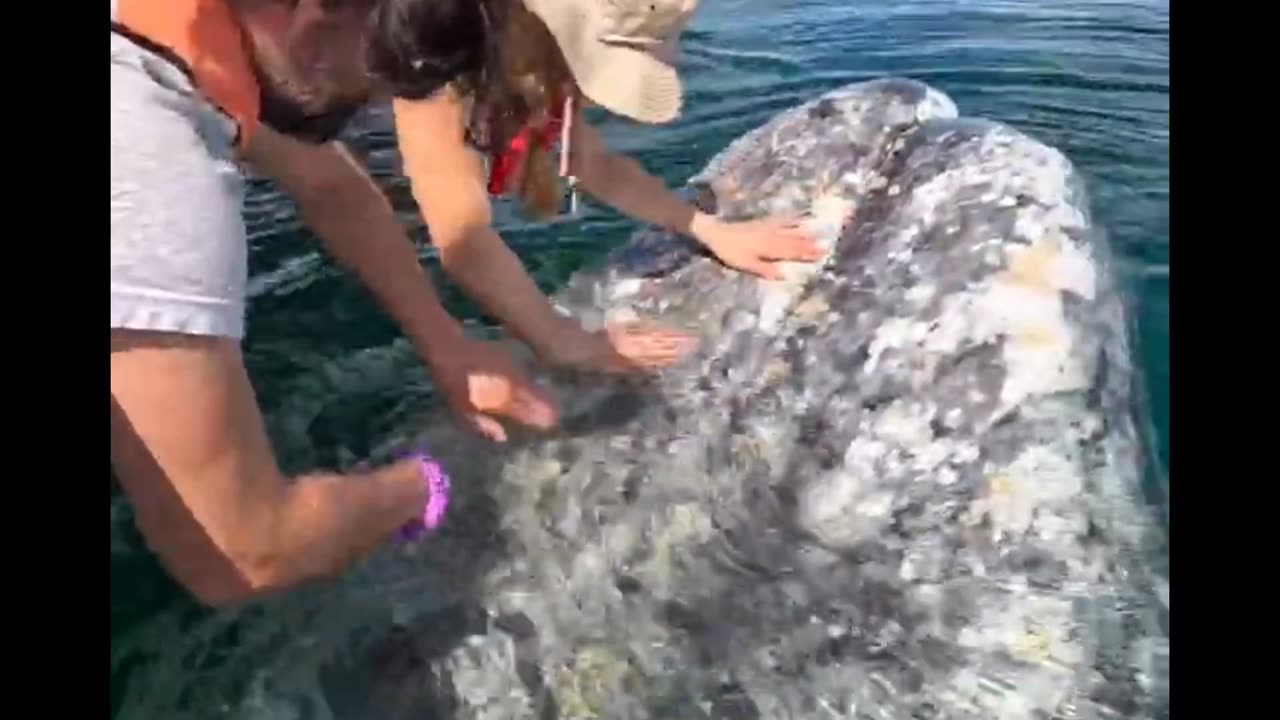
[628,81]
[639,83]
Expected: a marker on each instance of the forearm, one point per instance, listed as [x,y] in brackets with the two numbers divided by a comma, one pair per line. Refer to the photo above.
[326,522]
[359,229]
[493,276]
[624,184]
[204,482]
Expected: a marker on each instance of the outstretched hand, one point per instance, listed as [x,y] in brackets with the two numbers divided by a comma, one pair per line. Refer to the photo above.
[757,246]
[620,348]
[481,383]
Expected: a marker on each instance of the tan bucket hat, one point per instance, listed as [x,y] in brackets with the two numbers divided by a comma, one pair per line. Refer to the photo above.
[622,53]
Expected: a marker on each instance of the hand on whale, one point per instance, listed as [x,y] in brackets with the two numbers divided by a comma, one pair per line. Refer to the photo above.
[757,246]
[481,382]
[619,348]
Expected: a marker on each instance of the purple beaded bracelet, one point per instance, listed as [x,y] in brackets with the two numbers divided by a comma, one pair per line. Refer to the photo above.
[437,484]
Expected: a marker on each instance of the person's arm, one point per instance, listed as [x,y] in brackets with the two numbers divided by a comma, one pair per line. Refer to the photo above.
[447,180]
[342,204]
[188,444]
[339,201]
[624,184]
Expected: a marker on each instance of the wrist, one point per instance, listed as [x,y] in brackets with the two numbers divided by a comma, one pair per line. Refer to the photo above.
[702,227]
[562,332]
[437,338]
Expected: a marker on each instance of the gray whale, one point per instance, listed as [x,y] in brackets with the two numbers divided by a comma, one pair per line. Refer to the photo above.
[904,483]
[901,484]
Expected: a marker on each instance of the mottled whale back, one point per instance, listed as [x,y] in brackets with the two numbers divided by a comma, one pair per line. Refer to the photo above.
[904,484]
[901,484]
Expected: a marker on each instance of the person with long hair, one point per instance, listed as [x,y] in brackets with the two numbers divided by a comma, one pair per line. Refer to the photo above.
[493,130]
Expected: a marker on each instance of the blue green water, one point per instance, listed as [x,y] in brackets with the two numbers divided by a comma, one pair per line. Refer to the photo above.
[1090,77]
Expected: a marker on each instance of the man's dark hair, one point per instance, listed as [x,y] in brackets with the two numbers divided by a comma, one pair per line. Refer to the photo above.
[418,46]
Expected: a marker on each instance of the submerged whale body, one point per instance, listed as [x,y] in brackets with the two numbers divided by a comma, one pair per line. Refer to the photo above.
[901,484]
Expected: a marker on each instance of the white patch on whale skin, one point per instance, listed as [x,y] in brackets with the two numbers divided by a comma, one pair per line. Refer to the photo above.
[893,333]
[1029,495]
[1023,305]
[828,214]
[1038,342]
[826,507]
[904,425]
[625,288]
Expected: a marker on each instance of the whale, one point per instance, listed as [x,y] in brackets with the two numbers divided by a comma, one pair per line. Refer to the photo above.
[903,482]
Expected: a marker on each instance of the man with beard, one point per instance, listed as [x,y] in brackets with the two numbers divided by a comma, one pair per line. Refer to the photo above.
[197,87]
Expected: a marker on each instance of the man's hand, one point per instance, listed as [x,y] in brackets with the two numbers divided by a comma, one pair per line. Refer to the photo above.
[481,383]
[620,348]
[756,246]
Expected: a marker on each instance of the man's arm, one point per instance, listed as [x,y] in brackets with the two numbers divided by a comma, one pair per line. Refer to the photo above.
[339,201]
[188,445]
[346,209]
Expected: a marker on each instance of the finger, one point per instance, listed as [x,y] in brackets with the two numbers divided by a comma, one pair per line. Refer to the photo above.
[613,362]
[639,345]
[789,220]
[532,406]
[488,427]
[792,244]
[650,360]
[641,330]
[766,270]
[652,342]
[634,357]
[799,251]
[806,248]
[617,364]
[790,234]
[688,343]
[786,233]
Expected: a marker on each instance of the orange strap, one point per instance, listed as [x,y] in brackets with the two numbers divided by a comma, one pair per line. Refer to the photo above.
[205,37]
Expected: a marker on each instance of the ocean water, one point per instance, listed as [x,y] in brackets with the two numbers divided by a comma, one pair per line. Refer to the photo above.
[1090,77]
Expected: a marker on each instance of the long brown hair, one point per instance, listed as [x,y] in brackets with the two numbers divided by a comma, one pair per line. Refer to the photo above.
[523,80]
